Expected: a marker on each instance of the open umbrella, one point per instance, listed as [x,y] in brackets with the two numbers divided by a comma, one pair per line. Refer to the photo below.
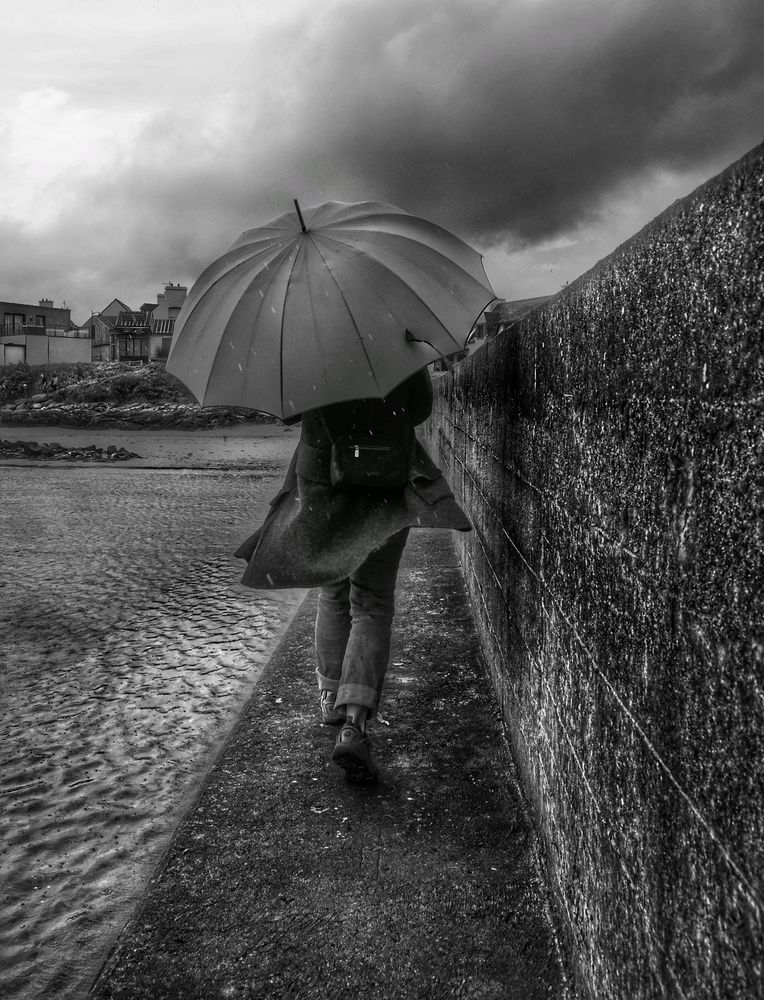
[341,302]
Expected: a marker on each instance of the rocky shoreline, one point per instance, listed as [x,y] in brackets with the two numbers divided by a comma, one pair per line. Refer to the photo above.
[58,453]
[127,416]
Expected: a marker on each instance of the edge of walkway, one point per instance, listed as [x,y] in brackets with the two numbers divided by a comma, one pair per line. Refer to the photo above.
[285,880]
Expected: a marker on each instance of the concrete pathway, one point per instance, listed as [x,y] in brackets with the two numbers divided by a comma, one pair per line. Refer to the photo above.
[286,881]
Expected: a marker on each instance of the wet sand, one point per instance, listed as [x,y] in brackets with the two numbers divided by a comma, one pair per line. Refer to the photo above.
[129,649]
[242,446]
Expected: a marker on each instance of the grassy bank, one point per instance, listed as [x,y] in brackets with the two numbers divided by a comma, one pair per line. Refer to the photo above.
[110,394]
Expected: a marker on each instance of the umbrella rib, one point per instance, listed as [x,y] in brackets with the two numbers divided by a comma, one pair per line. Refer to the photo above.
[410,239]
[313,311]
[373,291]
[381,263]
[349,312]
[260,306]
[224,275]
[281,328]
[245,261]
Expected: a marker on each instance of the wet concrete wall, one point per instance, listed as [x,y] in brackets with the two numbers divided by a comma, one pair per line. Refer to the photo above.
[609,450]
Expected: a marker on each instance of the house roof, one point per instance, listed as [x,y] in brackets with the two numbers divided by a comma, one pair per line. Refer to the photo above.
[107,321]
[131,319]
[115,307]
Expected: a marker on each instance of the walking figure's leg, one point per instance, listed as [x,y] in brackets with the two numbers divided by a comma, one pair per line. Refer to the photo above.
[372,606]
[332,632]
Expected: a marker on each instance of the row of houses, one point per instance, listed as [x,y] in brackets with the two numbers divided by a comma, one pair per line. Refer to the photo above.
[45,334]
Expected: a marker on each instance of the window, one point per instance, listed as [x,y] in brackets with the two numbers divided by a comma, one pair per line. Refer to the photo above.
[13,322]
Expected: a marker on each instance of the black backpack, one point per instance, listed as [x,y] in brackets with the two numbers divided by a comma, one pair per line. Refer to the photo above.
[370,459]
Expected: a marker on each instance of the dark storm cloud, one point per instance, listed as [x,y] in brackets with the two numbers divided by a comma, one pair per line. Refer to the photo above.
[511,122]
[506,120]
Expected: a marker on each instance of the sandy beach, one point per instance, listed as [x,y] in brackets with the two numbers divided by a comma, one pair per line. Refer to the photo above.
[128,650]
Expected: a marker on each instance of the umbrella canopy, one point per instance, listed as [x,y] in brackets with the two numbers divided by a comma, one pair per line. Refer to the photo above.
[331,304]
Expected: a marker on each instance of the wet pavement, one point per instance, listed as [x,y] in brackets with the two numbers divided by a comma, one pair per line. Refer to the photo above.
[285,881]
[128,650]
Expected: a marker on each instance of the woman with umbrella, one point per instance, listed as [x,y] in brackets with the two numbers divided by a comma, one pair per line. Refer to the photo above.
[316,322]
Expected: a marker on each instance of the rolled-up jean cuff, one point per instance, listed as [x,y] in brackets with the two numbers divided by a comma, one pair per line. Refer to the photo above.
[327,683]
[357,694]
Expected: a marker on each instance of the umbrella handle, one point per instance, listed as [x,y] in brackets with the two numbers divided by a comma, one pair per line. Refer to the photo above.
[416,340]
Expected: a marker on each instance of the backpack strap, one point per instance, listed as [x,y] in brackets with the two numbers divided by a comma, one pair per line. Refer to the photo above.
[326,425]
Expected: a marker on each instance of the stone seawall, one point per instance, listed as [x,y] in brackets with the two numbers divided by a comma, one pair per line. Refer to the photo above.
[609,450]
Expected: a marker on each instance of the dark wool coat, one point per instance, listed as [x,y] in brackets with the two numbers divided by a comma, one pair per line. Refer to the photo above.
[315,534]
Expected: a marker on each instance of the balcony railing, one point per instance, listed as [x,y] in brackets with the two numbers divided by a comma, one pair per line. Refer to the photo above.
[36,330]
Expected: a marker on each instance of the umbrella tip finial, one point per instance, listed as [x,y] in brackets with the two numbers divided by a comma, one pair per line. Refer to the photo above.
[299,216]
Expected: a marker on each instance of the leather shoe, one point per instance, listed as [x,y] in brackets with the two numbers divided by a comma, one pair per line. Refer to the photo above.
[352,752]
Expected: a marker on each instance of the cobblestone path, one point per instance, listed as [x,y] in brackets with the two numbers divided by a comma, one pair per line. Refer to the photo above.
[128,648]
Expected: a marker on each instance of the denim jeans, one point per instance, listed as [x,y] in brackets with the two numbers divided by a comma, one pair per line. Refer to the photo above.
[353,627]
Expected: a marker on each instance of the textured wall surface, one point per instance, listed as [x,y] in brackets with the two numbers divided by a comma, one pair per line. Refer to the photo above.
[609,450]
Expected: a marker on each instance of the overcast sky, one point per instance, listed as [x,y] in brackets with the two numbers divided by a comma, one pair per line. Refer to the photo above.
[137,140]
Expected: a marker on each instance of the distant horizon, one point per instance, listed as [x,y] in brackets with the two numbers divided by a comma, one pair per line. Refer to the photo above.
[129,308]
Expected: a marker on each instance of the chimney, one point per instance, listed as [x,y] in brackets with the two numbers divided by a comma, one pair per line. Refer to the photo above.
[46,303]
[175,295]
